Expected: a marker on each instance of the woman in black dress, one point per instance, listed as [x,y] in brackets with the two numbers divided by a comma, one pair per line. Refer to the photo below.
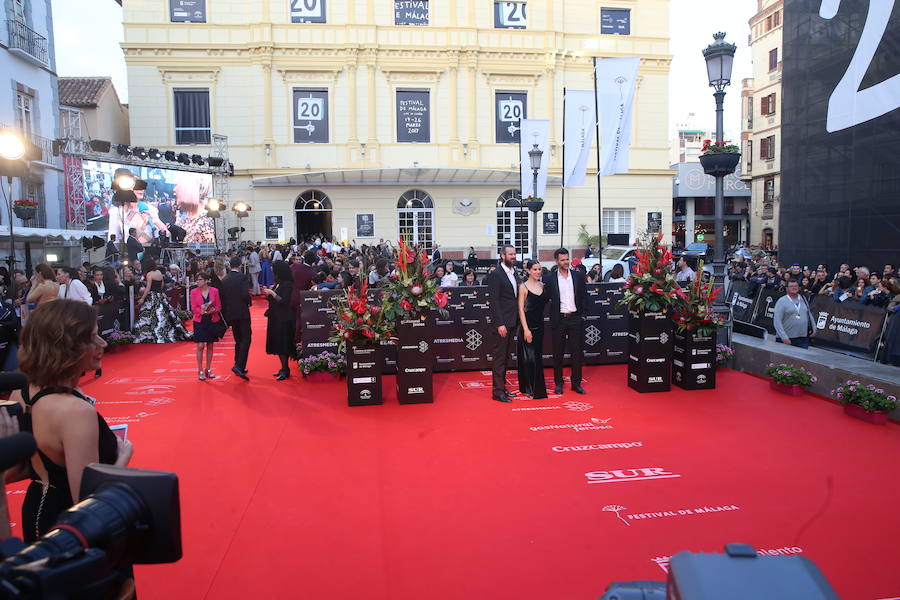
[280,327]
[532,301]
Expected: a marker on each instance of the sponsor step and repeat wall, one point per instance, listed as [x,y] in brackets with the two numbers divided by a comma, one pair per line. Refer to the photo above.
[463,340]
[848,326]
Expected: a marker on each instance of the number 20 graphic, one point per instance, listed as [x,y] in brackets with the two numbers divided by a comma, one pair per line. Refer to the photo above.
[848,105]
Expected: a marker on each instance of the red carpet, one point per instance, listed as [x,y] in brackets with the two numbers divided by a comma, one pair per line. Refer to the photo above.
[288,493]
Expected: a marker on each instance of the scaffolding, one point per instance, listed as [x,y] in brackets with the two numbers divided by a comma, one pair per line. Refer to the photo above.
[220,181]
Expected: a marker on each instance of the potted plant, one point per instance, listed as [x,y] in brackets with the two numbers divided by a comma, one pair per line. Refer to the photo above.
[185,315]
[650,293]
[118,339]
[789,379]
[724,354]
[695,339]
[325,366]
[719,158]
[359,328]
[411,295]
[866,403]
[534,203]
[25,209]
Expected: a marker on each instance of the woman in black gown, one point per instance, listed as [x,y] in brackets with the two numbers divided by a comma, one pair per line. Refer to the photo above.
[532,301]
[281,317]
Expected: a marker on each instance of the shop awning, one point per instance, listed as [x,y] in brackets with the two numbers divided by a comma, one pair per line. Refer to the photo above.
[400,177]
[39,233]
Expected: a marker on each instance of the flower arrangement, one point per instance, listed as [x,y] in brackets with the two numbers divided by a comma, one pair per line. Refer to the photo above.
[358,319]
[119,338]
[868,397]
[410,292]
[652,286]
[723,354]
[325,362]
[25,203]
[711,147]
[695,312]
[790,375]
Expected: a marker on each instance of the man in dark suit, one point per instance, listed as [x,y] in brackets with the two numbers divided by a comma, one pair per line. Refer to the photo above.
[567,293]
[112,250]
[503,287]
[235,297]
[133,245]
[303,280]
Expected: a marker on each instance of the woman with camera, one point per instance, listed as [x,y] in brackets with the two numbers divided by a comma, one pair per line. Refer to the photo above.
[59,343]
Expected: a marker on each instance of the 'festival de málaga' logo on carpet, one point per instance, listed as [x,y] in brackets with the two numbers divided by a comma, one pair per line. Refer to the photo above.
[622,475]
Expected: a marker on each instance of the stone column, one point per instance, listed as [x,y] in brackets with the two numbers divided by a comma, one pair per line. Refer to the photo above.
[453,108]
[351,105]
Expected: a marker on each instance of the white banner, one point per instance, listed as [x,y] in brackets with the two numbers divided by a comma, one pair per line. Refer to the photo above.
[578,134]
[616,79]
[534,131]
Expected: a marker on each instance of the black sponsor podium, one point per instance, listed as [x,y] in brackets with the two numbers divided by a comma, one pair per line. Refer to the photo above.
[364,365]
[415,361]
[694,361]
[649,351]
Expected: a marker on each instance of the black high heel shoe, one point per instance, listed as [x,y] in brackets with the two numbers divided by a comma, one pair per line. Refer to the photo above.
[282,375]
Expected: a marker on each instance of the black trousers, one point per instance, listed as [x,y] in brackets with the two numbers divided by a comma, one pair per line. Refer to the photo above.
[502,348]
[568,333]
[242,334]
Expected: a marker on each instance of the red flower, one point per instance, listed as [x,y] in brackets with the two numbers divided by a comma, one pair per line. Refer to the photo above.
[410,255]
[359,321]
[657,272]
[347,317]
[440,298]
[348,335]
[416,290]
[655,289]
[374,310]
[638,289]
[405,304]
[368,333]
[393,277]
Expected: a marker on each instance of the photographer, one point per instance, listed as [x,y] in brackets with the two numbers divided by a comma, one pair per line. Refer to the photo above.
[59,343]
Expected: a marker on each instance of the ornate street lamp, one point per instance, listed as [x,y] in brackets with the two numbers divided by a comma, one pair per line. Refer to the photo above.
[12,151]
[719,58]
[534,204]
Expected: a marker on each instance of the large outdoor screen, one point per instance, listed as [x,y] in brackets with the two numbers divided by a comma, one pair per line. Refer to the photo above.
[171,198]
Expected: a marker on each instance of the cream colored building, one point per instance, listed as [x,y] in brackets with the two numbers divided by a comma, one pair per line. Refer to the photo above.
[246,70]
[761,132]
[89,108]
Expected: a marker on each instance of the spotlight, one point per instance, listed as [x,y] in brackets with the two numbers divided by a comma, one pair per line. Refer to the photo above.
[170,156]
[197,160]
[214,204]
[11,146]
[123,180]
[123,150]
[101,146]
[154,154]
[184,159]
[215,161]
[240,207]
[139,152]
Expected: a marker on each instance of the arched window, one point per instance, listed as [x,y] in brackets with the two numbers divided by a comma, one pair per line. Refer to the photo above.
[513,223]
[312,200]
[415,218]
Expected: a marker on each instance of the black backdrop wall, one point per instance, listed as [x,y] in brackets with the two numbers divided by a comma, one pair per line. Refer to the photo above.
[840,191]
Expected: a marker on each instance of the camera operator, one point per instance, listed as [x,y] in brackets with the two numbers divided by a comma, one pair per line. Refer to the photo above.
[59,343]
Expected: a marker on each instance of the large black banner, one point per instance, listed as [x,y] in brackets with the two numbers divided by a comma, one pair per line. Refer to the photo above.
[413,117]
[847,325]
[840,133]
[742,297]
[113,316]
[461,342]
[764,313]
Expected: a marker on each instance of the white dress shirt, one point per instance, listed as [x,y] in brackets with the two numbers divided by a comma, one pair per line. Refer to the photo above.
[566,293]
[512,277]
[75,290]
[449,280]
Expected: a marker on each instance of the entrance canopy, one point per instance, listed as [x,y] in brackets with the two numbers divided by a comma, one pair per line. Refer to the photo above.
[399,177]
[27,234]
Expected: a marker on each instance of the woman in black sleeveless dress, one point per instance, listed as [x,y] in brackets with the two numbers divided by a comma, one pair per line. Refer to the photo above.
[281,318]
[532,301]
[59,342]
[157,322]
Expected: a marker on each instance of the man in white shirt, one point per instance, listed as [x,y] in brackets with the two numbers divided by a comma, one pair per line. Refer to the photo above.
[685,273]
[71,287]
[566,292]
[254,268]
[450,279]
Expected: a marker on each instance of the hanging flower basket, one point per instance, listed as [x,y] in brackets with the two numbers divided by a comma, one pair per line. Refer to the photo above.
[720,163]
[25,210]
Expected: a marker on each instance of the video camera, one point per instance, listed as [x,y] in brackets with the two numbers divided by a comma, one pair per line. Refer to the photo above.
[128,516]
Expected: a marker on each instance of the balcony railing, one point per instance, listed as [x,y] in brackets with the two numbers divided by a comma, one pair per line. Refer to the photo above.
[27,40]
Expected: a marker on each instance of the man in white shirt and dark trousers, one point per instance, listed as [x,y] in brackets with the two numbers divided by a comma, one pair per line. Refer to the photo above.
[503,288]
[792,320]
[567,293]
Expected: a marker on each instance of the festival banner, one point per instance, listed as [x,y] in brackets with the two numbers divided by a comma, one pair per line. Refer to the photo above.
[764,312]
[847,325]
[580,116]
[742,298]
[534,132]
[616,79]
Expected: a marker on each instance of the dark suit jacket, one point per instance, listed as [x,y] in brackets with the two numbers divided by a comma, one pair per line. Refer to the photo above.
[112,250]
[134,247]
[551,287]
[95,293]
[281,312]
[504,302]
[235,296]
[303,280]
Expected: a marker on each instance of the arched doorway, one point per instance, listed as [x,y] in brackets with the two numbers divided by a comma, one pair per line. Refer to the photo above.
[415,218]
[513,223]
[313,212]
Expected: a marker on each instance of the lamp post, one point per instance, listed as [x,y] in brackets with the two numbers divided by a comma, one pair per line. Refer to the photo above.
[12,151]
[719,58]
[535,205]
